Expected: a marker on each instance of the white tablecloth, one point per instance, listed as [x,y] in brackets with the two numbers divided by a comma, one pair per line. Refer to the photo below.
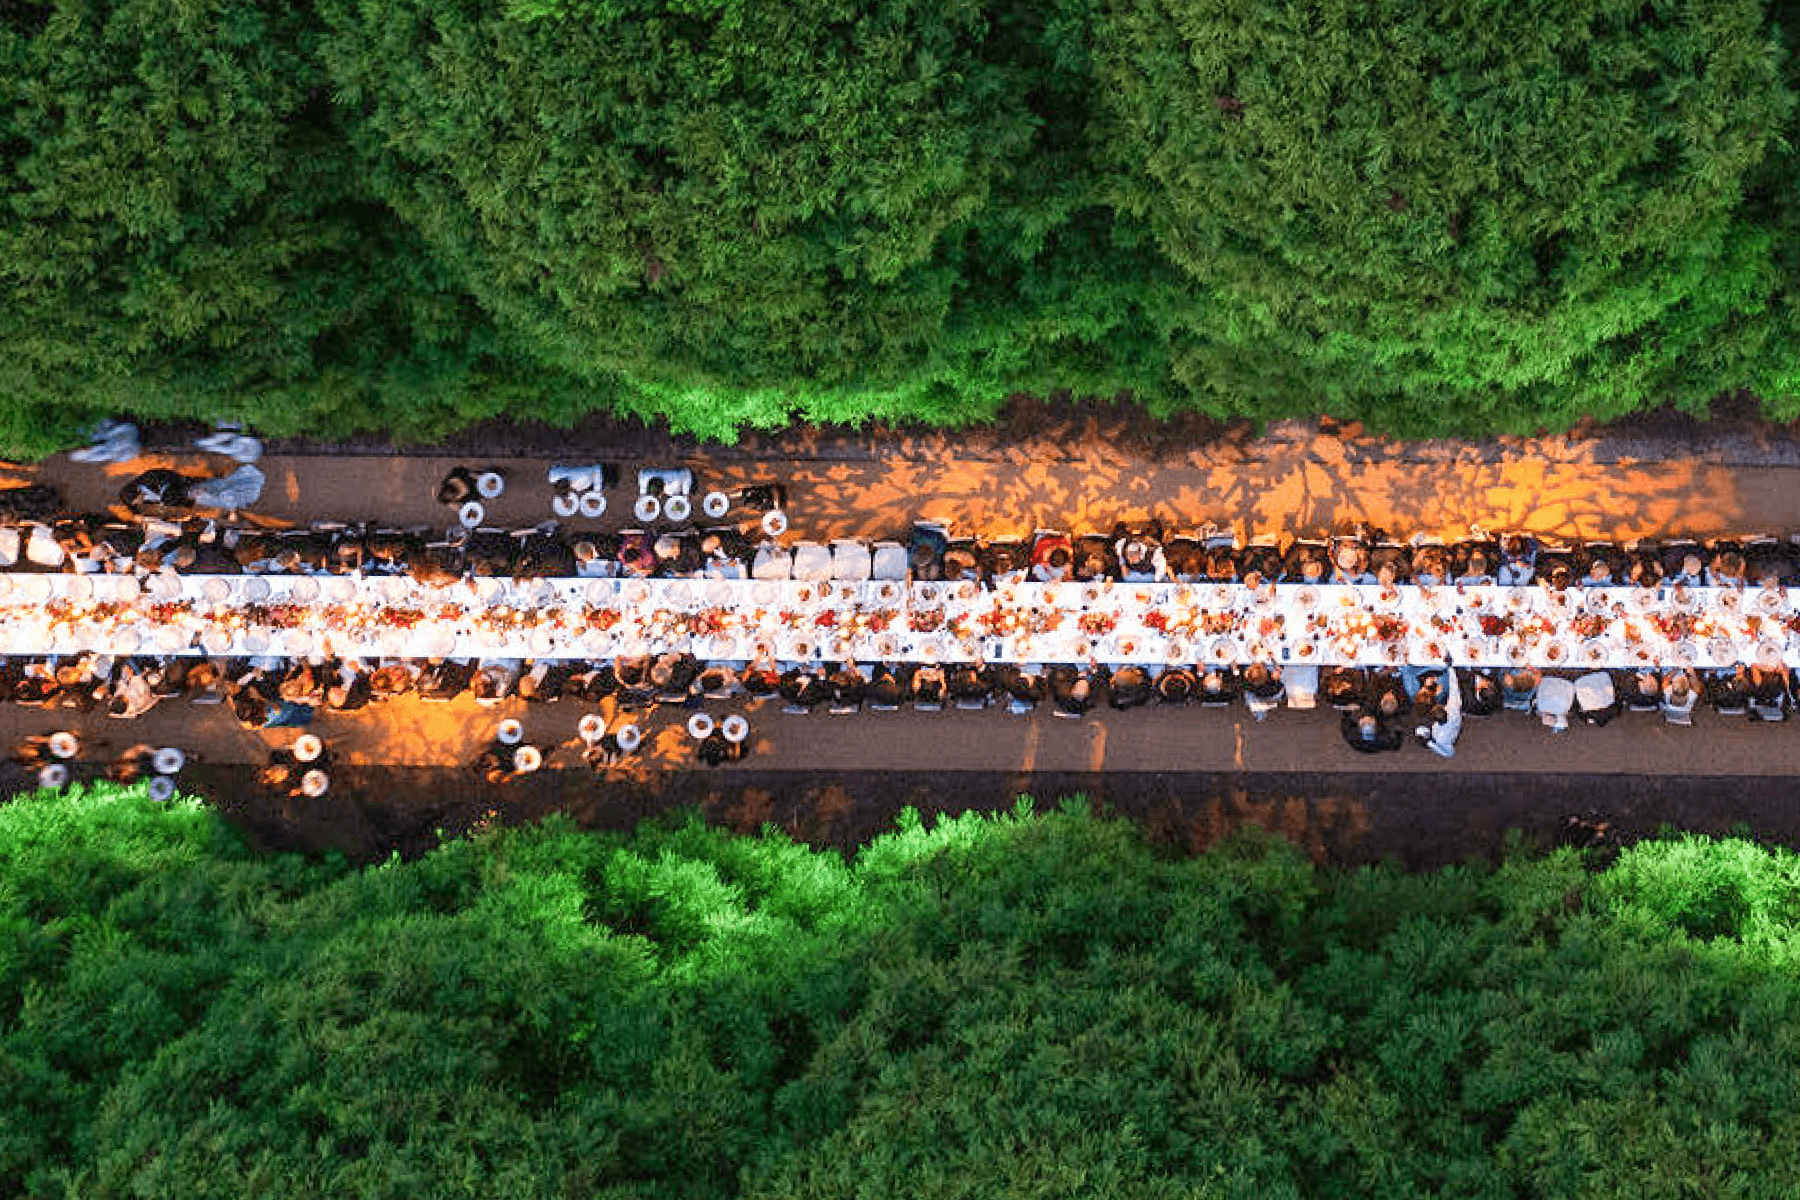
[1026,622]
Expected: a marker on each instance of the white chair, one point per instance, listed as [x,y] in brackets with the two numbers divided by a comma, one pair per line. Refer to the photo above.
[9,546]
[888,561]
[772,562]
[676,481]
[812,562]
[1302,683]
[42,548]
[850,560]
[1555,697]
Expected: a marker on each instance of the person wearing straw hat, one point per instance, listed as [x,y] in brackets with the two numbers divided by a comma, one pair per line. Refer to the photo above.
[52,775]
[64,745]
[510,732]
[592,727]
[168,760]
[526,759]
[161,789]
[314,783]
[308,748]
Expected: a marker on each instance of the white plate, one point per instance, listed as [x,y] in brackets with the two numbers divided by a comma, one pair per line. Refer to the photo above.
[256,589]
[303,589]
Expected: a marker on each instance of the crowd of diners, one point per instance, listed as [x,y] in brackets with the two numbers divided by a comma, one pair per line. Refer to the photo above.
[1379,706]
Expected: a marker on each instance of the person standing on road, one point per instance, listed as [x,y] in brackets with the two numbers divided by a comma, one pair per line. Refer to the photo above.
[1446,721]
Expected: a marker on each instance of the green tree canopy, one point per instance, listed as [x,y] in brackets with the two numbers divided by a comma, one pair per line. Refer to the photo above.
[1481,215]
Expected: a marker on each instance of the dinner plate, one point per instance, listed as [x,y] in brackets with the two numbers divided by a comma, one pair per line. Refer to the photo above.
[256,589]
[601,591]
[1557,654]
[79,587]
[1223,650]
[341,589]
[304,589]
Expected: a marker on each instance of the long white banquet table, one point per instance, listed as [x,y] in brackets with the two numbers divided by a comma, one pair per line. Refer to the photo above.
[397,617]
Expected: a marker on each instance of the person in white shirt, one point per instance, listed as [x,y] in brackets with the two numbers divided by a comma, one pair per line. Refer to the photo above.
[1446,722]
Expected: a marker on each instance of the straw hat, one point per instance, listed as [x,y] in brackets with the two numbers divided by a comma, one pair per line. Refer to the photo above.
[168,760]
[52,776]
[629,737]
[489,485]
[699,725]
[527,759]
[647,508]
[307,748]
[565,504]
[592,727]
[161,789]
[315,783]
[592,504]
[64,744]
[511,732]
[774,522]
[715,504]
[471,514]
[735,728]
[678,508]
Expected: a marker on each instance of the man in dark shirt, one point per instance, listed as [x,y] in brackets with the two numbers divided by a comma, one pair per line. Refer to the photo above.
[1366,732]
[1131,687]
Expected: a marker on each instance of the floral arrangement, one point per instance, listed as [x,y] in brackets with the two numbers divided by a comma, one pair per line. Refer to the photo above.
[1389,628]
[1590,625]
[925,620]
[1215,623]
[1495,626]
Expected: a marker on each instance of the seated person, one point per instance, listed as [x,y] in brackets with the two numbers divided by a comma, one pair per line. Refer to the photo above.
[1556,575]
[970,682]
[1518,688]
[762,677]
[1430,566]
[157,489]
[1176,685]
[593,682]
[1388,695]
[1482,692]
[1729,690]
[1365,731]
[1071,690]
[1350,563]
[131,695]
[1131,687]
[804,686]
[1391,564]
[1003,562]
[925,552]
[677,556]
[545,682]
[1186,560]
[391,679]
[493,680]
[384,547]
[1644,569]
[1476,569]
[1681,690]
[490,553]
[726,554]
[1219,686]
[439,565]
[1686,570]
[718,679]
[1599,572]
[637,558]
[1259,565]
[1768,693]
[444,678]
[1305,563]
[1727,568]
[848,687]
[1052,558]
[928,684]
[674,673]
[1518,560]
[1221,566]
[1643,691]
[885,688]
[350,693]
[1344,687]
[962,563]
[1772,565]
[1263,689]
[303,683]
[1597,698]
[1093,560]
[543,555]
[1139,553]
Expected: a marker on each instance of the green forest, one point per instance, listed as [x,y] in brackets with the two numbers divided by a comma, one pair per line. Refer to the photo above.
[1016,1005]
[405,215]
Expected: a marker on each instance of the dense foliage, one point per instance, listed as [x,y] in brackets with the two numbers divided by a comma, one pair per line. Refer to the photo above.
[404,214]
[1007,1006]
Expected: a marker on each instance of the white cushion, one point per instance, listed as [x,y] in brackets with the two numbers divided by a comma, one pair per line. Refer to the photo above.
[812,562]
[850,560]
[772,562]
[888,561]
[42,548]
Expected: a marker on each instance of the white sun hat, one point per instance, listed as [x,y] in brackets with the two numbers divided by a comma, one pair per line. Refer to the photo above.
[715,504]
[630,737]
[592,504]
[315,783]
[591,727]
[64,744]
[527,759]
[566,504]
[52,776]
[699,726]
[678,508]
[160,789]
[168,760]
[647,508]
[308,747]
[511,732]
[735,728]
[489,485]
[774,522]
[471,514]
